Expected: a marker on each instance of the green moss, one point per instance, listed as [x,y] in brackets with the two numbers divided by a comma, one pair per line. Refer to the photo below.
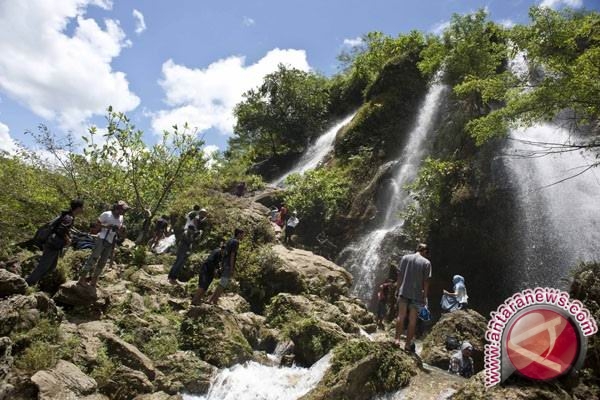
[312,339]
[394,369]
[161,345]
[104,367]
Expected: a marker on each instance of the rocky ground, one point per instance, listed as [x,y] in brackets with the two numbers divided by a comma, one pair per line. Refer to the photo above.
[138,337]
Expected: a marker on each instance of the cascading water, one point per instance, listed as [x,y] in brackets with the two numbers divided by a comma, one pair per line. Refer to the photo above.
[363,258]
[558,196]
[316,152]
[253,381]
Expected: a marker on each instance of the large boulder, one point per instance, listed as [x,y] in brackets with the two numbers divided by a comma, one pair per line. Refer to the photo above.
[129,355]
[313,339]
[214,335]
[91,342]
[465,326]
[285,308]
[74,295]
[11,284]
[303,270]
[19,313]
[65,381]
[126,384]
[185,372]
[361,369]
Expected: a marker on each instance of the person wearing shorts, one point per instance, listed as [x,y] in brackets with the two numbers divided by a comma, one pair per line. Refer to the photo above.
[229,258]
[414,273]
[207,273]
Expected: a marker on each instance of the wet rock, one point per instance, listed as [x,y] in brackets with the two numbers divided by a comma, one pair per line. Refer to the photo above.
[464,325]
[313,338]
[20,312]
[185,372]
[214,335]
[128,354]
[73,294]
[513,389]
[11,284]
[64,381]
[360,370]
[126,384]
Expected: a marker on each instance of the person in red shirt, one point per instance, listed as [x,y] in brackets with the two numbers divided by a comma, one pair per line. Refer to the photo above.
[283,211]
[383,293]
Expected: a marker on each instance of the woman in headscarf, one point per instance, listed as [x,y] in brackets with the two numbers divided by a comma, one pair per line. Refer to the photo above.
[458,298]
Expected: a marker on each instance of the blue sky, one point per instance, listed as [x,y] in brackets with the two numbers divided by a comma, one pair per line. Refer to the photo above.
[64,61]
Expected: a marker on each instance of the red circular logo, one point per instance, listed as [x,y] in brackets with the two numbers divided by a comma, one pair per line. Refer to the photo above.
[542,344]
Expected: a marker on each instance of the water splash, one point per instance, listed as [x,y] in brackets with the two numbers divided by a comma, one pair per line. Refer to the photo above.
[558,196]
[364,258]
[316,152]
[254,381]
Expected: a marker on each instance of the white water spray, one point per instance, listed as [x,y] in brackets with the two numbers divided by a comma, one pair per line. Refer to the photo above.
[558,196]
[316,152]
[363,258]
[253,381]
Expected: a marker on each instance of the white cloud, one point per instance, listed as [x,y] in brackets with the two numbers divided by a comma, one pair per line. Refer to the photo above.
[205,98]
[357,41]
[554,4]
[7,143]
[140,23]
[247,21]
[60,77]
[439,28]
[507,23]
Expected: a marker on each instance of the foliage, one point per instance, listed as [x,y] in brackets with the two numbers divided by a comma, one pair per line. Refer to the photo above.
[471,48]
[318,195]
[161,345]
[433,193]
[283,114]
[562,49]
[105,367]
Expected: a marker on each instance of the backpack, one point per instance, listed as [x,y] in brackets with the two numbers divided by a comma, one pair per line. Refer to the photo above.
[452,343]
[44,232]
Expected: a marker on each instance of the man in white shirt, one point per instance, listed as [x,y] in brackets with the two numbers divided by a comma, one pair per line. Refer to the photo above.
[290,226]
[111,224]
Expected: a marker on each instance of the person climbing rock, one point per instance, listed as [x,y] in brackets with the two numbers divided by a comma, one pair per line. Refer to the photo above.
[283,211]
[414,273]
[161,229]
[228,264]
[191,233]
[59,236]
[110,224]
[461,362]
[458,298]
[290,227]
[273,214]
[383,294]
[207,273]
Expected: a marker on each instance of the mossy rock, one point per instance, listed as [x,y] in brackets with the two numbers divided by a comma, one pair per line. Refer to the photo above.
[383,121]
[313,339]
[185,372]
[214,335]
[586,288]
[465,326]
[361,369]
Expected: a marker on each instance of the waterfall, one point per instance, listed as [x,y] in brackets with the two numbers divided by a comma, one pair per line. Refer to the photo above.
[364,257]
[558,196]
[254,381]
[316,151]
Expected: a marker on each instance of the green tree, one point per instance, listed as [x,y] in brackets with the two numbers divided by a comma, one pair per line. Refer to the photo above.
[283,114]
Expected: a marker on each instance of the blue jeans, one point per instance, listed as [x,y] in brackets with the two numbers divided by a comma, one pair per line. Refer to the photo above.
[182,255]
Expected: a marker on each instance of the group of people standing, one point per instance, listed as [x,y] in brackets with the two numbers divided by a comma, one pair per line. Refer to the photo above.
[286,221]
[110,228]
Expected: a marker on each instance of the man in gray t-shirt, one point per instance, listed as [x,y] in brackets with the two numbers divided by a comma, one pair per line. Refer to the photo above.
[413,282]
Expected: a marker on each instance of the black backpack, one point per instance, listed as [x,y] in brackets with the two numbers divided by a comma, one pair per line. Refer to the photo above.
[44,232]
[452,343]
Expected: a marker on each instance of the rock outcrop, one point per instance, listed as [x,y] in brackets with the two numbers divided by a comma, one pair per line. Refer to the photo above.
[64,381]
[11,284]
[24,312]
[463,325]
